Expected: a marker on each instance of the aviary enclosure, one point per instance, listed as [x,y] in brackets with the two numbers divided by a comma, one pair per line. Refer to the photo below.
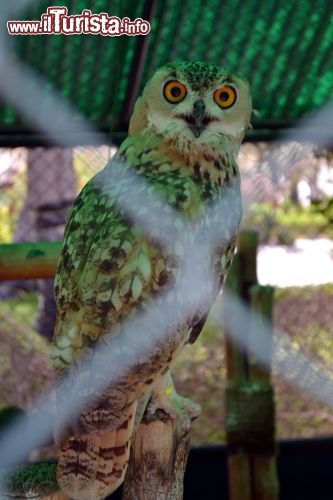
[262,368]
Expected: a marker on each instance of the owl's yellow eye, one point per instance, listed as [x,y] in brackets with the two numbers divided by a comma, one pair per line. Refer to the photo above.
[225,97]
[174,91]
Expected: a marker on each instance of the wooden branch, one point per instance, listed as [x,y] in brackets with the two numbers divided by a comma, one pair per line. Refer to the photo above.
[159,453]
[29,260]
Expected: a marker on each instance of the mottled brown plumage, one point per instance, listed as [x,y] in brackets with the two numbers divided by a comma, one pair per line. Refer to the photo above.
[168,200]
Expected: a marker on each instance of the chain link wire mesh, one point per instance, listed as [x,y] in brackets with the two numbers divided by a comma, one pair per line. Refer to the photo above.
[287,193]
[37,188]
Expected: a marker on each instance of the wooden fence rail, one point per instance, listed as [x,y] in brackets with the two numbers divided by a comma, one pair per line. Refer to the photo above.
[29,260]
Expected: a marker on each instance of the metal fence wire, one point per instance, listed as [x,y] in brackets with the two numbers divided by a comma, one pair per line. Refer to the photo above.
[37,189]
[38,186]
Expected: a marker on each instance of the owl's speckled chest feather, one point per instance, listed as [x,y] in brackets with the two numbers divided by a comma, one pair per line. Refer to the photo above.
[119,259]
[186,181]
[202,188]
[118,262]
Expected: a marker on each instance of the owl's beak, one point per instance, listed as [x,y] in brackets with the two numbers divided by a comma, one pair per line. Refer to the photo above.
[198,120]
[198,114]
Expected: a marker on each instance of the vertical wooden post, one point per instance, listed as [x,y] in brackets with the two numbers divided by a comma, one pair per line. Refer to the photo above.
[238,465]
[250,424]
[265,481]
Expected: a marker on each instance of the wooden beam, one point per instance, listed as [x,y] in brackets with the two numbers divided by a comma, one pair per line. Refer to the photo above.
[29,260]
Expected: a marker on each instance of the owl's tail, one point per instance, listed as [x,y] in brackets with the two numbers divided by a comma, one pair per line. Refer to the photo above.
[92,466]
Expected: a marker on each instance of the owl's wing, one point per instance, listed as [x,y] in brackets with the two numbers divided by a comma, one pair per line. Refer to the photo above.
[92,223]
[111,271]
[108,267]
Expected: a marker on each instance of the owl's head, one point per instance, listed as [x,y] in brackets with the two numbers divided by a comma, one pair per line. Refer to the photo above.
[194,105]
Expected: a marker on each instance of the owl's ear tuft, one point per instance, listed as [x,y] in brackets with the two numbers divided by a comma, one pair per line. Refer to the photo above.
[254,116]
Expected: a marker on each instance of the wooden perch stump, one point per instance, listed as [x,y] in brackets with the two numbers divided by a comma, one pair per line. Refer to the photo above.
[159,453]
[56,496]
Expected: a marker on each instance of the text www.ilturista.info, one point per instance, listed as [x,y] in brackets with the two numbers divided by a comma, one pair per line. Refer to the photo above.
[56,21]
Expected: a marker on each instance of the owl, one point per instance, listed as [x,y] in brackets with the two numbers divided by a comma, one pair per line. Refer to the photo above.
[164,211]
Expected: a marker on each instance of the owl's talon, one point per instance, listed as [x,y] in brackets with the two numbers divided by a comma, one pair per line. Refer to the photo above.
[165,398]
